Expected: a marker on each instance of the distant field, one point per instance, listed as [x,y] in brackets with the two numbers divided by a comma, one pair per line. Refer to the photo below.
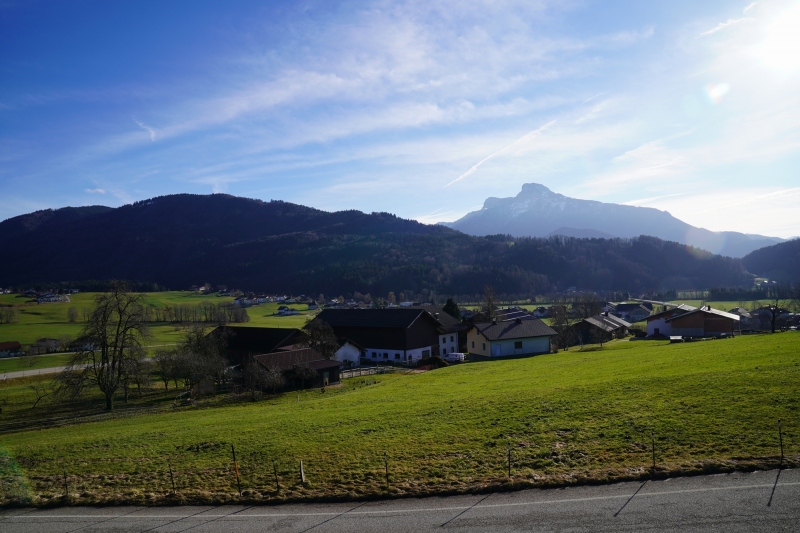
[32,364]
[577,416]
[50,320]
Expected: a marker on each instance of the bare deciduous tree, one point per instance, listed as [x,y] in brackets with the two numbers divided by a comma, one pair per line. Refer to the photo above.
[303,372]
[321,337]
[116,330]
[489,302]
[72,315]
[273,379]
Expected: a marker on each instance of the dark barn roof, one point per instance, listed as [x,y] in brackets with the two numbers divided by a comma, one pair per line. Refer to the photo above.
[254,340]
[448,323]
[515,329]
[392,329]
[288,360]
[372,318]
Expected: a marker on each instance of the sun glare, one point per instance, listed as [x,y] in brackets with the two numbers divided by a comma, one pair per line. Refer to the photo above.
[781,49]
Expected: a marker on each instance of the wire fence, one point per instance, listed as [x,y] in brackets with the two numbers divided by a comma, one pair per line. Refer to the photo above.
[210,472]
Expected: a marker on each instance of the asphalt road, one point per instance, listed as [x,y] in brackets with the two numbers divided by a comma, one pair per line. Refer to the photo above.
[759,501]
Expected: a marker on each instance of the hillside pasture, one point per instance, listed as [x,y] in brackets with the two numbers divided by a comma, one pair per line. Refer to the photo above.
[582,416]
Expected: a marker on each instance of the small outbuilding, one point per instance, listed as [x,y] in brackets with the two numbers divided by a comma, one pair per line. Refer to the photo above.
[602,328]
[323,372]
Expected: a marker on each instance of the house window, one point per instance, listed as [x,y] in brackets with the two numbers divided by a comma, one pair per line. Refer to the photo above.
[451,338]
[374,355]
[386,356]
[444,351]
[397,356]
[444,340]
[473,344]
[517,345]
[426,353]
[484,345]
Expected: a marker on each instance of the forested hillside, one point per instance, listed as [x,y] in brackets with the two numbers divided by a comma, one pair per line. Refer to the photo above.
[180,240]
[780,262]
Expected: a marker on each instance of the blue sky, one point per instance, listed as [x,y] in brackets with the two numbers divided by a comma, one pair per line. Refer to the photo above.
[422,109]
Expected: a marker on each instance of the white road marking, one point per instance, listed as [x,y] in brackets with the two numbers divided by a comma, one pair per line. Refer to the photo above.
[409,511]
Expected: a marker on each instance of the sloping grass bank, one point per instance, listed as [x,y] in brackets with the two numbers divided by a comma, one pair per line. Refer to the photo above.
[571,417]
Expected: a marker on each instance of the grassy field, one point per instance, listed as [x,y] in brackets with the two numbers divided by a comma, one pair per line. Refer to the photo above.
[571,417]
[50,320]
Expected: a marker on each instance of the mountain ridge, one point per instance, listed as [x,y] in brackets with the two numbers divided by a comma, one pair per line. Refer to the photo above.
[180,240]
[538,212]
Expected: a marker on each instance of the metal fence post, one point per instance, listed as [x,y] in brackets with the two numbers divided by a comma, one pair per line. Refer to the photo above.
[302,473]
[780,439]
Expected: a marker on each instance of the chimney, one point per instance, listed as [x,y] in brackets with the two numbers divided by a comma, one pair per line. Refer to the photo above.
[494,321]
[606,313]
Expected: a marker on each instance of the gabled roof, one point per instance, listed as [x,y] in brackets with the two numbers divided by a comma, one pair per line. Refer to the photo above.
[258,340]
[707,310]
[288,360]
[374,318]
[607,323]
[741,311]
[10,345]
[681,309]
[448,323]
[515,329]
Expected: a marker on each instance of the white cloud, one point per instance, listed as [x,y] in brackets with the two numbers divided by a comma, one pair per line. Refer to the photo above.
[96,191]
[749,7]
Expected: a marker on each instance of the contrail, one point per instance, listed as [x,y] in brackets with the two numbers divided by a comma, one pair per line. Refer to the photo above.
[593,97]
[500,151]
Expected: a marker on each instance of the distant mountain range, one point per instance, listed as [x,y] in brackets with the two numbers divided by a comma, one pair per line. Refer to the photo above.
[181,240]
[539,212]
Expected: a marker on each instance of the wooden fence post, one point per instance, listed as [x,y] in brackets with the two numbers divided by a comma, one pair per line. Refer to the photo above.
[509,459]
[386,467]
[171,476]
[236,469]
[277,481]
[653,437]
[780,439]
[66,487]
[302,473]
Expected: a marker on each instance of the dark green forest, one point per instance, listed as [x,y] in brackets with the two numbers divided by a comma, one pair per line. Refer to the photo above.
[179,240]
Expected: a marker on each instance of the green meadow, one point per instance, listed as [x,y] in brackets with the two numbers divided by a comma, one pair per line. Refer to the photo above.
[50,320]
[581,416]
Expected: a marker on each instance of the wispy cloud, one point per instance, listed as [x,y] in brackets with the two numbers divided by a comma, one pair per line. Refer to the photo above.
[148,129]
[749,7]
[96,191]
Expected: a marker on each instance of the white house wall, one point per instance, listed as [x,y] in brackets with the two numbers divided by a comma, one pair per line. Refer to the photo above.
[448,343]
[660,324]
[348,354]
